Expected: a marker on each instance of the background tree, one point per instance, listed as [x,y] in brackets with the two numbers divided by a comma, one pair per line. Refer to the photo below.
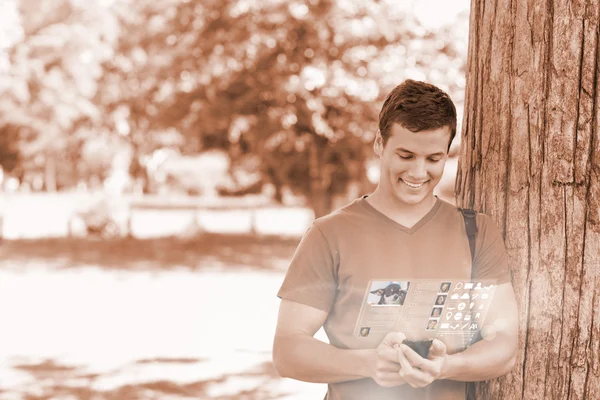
[51,67]
[294,85]
[530,157]
[289,89]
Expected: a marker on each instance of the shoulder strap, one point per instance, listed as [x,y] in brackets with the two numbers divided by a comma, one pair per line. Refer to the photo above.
[471,227]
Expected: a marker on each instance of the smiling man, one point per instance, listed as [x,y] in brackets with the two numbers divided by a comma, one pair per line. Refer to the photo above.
[400,231]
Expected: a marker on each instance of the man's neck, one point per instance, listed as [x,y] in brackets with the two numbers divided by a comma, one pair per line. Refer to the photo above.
[405,214]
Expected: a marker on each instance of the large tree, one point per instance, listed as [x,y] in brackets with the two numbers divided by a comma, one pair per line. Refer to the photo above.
[530,157]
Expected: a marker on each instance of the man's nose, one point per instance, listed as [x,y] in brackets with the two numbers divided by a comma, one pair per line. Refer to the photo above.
[418,170]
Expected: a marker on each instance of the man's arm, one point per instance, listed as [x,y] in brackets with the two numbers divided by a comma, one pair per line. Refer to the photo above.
[489,358]
[496,354]
[298,355]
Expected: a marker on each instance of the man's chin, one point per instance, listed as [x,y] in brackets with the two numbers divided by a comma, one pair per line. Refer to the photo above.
[413,198]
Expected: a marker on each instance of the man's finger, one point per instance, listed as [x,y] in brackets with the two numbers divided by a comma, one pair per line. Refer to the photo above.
[413,374]
[404,363]
[394,338]
[389,366]
[388,354]
[438,349]
[418,362]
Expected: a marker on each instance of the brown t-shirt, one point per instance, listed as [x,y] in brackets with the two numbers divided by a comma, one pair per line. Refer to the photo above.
[340,253]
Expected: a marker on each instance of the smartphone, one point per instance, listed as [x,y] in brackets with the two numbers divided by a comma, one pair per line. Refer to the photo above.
[421,347]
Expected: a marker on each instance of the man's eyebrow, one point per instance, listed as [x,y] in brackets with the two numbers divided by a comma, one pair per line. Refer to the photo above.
[439,153]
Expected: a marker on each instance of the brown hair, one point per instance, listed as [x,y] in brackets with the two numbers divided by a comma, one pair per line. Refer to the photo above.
[417,106]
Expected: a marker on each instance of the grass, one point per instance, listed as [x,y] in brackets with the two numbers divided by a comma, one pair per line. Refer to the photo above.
[196,253]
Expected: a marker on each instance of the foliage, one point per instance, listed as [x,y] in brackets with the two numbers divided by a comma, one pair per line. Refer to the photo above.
[293,84]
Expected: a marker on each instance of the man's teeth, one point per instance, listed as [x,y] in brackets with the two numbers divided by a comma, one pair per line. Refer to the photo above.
[414,185]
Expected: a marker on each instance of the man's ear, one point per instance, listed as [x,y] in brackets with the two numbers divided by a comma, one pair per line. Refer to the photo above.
[378,144]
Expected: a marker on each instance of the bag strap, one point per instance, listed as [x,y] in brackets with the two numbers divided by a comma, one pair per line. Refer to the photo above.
[471,227]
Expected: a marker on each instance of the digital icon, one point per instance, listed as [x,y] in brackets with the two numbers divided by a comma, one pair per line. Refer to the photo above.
[475,295]
[484,296]
[465,326]
[449,315]
[436,312]
[469,285]
[478,287]
[458,316]
[455,326]
[459,285]
[473,327]
[454,296]
[471,305]
[465,296]
[445,325]
[467,316]
[461,306]
[444,287]
[481,306]
[477,316]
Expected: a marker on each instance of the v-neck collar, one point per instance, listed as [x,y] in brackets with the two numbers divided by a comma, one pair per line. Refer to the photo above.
[397,225]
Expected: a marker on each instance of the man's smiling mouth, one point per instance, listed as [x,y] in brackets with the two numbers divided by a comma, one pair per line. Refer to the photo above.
[413,185]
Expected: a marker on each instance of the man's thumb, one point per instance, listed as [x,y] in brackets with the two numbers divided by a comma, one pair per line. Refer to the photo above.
[438,348]
[394,338]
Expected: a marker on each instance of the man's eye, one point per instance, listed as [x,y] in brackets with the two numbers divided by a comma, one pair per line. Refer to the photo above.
[434,159]
[404,157]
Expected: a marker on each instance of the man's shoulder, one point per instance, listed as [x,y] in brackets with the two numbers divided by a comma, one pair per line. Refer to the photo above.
[448,208]
[344,215]
[483,220]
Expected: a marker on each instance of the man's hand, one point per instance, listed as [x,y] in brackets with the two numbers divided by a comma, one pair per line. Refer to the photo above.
[419,372]
[385,368]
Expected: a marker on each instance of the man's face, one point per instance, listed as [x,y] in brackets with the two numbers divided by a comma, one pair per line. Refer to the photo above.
[412,163]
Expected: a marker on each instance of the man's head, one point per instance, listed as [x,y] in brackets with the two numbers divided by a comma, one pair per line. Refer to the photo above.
[417,106]
[416,126]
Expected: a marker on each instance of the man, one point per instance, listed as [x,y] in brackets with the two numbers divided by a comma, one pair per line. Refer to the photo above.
[431,325]
[445,287]
[400,231]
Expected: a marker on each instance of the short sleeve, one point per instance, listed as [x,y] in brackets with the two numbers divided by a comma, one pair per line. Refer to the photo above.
[311,278]
[491,260]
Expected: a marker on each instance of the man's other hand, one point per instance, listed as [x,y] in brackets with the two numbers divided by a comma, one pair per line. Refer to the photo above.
[385,368]
[419,372]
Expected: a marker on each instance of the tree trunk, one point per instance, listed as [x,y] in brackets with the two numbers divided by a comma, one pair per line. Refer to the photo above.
[530,158]
[50,173]
[320,197]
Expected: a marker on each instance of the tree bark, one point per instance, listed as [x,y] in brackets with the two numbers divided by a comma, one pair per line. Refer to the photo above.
[530,158]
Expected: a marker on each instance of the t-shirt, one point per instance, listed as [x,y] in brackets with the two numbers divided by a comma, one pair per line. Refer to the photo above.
[342,252]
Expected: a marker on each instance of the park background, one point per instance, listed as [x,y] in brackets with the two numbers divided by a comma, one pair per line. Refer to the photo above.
[198,139]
